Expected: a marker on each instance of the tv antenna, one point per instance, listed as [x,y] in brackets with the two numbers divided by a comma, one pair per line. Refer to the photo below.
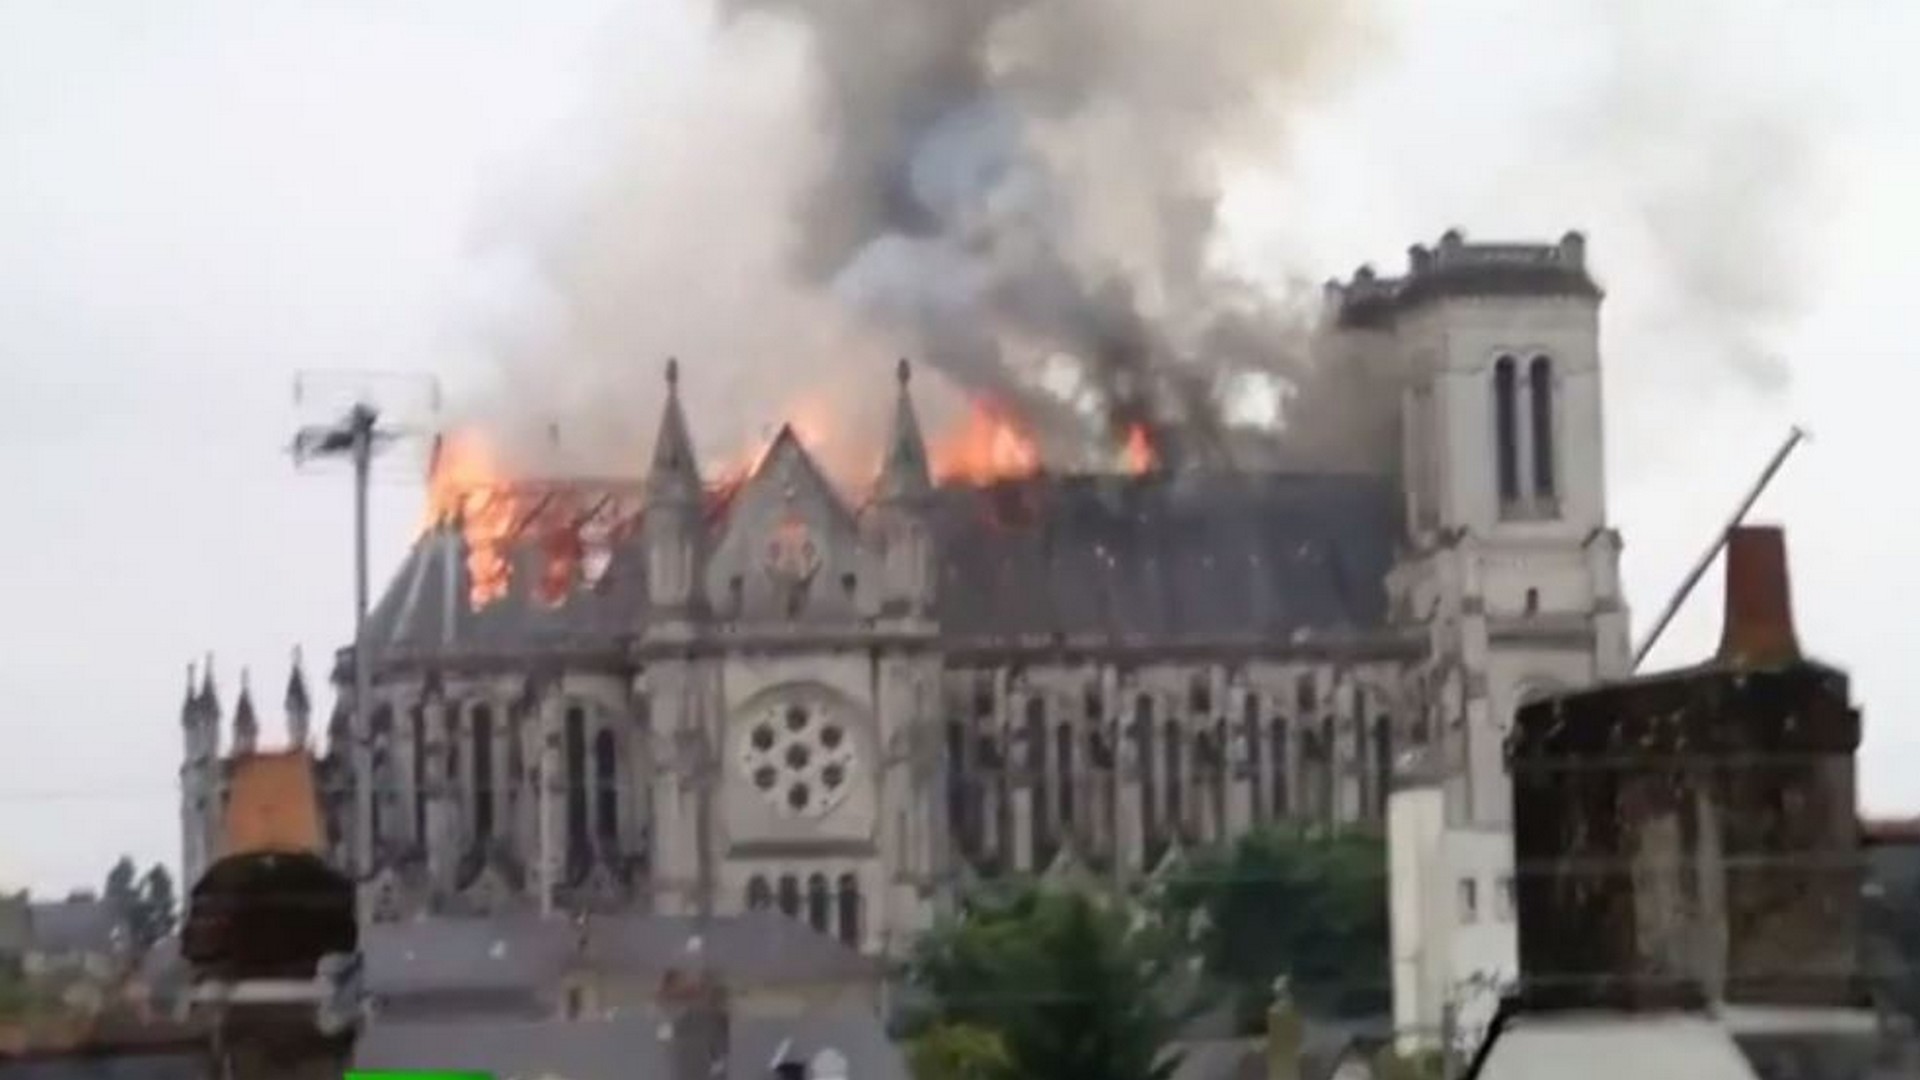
[357,430]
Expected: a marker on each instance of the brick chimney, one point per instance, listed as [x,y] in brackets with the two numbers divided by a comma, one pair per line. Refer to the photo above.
[1758,631]
[1691,836]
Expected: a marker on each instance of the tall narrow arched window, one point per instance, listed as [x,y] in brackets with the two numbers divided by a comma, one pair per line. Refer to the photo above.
[606,789]
[1277,747]
[848,910]
[1149,769]
[759,893]
[1037,757]
[789,895]
[1063,764]
[382,777]
[513,729]
[818,902]
[962,804]
[1540,404]
[417,741]
[574,753]
[482,774]
[1506,427]
[1255,751]
[1176,779]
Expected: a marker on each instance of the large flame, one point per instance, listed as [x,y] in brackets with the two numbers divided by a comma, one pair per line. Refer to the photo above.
[1138,457]
[467,488]
[989,445]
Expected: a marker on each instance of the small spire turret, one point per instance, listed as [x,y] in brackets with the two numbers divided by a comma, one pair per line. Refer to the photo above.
[904,473]
[675,475]
[298,705]
[209,694]
[246,724]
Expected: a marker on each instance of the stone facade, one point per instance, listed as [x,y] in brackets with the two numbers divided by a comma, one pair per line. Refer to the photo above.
[683,697]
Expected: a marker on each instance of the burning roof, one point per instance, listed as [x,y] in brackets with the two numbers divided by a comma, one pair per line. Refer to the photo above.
[1160,558]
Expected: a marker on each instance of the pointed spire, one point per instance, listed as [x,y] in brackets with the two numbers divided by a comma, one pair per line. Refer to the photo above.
[675,474]
[904,474]
[298,705]
[190,705]
[209,694]
[246,725]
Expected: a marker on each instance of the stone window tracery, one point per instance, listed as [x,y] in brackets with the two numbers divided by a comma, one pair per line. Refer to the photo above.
[799,757]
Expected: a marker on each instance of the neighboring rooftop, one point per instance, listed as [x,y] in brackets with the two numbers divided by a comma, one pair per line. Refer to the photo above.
[76,925]
[631,1045]
[522,952]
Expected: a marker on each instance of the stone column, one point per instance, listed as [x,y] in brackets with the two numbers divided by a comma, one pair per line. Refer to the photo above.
[1020,758]
[1129,766]
[674,867]
[442,859]
[1241,765]
[551,812]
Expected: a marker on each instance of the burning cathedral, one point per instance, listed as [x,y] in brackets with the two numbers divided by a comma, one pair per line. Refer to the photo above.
[684,696]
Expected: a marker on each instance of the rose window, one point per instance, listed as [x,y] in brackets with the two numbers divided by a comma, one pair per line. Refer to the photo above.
[799,758]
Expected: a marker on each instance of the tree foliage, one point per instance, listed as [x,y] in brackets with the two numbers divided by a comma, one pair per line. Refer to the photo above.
[1312,907]
[1073,990]
[959,1052]
[157,910]
[146,902]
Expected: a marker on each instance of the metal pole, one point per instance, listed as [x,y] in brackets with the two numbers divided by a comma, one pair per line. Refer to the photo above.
[363,421]
[1794,439]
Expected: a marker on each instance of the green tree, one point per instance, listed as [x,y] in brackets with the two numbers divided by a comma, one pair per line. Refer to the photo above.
[1312,907]
[122,889]
[156,909]
[1073,990]
[959,1052]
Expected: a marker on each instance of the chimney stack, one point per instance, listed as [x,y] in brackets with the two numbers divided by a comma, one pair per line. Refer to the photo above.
[1758,632]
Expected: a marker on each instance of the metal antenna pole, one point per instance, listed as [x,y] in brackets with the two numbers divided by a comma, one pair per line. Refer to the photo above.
[363,420]
[357,436]
[1794,438]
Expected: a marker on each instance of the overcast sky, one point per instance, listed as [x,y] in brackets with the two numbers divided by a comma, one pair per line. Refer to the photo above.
[200,199]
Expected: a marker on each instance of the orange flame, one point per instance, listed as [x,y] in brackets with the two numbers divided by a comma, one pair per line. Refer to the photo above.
[468,487]
[1137,456]
[989,446]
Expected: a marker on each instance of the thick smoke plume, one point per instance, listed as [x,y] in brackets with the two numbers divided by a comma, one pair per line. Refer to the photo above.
[1021,193]
[1018,182]
[1720,174]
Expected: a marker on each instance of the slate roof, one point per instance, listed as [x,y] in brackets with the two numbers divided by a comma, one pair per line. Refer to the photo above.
[1193,557]
[624,1047]
[16,925]
[1204,557]
[616,1049]
[506,953]
[176,1066]
[76,926]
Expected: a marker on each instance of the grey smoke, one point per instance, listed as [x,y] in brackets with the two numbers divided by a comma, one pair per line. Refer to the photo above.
[1009,181]
[995,187]
[1722,181]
